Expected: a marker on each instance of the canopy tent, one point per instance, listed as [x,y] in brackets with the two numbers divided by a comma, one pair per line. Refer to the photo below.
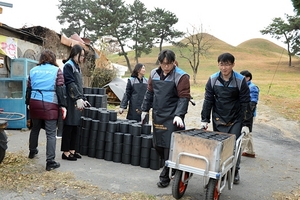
[115,90]
[121,69]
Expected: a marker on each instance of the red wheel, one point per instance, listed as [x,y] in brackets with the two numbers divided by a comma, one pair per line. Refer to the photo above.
[179,187]
[212,192]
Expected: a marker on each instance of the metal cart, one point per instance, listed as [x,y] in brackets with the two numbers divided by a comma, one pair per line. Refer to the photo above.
[212,155]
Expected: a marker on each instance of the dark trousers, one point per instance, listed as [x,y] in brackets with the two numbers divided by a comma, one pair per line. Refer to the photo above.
[234,129]
[60,124]
[69,138]
[50,128]
[164,154]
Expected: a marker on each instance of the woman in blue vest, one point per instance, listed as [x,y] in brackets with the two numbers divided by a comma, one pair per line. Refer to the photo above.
[45,96]
[134,94]
[76,102]
[168,94]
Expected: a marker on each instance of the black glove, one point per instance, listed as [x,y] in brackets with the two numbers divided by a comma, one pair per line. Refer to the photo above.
[252,105]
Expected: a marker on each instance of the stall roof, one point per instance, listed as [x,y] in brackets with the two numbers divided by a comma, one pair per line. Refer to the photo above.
[118,87]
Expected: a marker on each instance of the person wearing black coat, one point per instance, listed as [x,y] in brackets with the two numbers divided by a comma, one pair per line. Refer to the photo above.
[226,101]
[76,102]
[168,94]
[134,94]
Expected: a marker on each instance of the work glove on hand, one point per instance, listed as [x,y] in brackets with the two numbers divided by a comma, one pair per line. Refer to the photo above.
[178,121]
[121,110]
[87,104]
[63,112]
[245,130]
[80,104]
[204,125]
[143,115]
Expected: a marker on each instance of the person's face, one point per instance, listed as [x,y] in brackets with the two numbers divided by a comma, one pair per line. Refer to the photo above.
[142,71]
[247,78]
[166,66]
[82,56]
[225,68]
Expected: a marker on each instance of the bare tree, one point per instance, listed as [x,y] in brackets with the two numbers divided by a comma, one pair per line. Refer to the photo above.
[195,44]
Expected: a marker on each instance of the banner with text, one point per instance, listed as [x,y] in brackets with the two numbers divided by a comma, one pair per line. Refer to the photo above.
[8,46]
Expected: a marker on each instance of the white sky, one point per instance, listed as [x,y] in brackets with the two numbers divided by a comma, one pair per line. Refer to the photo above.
[233,21]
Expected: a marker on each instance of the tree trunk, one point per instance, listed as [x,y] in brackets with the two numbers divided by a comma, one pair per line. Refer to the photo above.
[195,77]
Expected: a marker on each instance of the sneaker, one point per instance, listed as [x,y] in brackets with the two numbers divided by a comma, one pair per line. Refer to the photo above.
[52,165]
[33,153]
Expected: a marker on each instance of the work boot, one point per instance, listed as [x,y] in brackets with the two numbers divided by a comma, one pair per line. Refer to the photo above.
[52,165]
[33,153]
[162,184]
[236,177]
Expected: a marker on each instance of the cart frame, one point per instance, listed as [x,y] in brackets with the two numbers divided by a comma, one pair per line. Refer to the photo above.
[225,174]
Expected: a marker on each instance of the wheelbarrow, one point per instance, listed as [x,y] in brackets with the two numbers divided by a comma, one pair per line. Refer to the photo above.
[212,155]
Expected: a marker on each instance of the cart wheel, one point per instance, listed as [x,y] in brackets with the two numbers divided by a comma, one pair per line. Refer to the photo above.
[2,154]
[212,192]
[179,187]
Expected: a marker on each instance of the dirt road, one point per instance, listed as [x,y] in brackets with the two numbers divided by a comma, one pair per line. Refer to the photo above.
[275,170]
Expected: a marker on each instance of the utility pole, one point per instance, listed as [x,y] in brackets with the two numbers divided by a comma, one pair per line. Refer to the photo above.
[10,5]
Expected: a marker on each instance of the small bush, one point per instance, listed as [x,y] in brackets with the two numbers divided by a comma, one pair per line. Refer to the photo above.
[102,76]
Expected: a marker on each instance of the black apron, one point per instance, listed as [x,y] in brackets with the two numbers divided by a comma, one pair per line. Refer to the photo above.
[226,115]
[136,100]
[164,105]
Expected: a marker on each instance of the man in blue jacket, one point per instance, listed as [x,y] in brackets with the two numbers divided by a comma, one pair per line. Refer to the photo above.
[227,97]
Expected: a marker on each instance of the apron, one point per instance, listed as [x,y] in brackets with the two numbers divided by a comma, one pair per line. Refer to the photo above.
[136,101]
[164,105]
[229,120]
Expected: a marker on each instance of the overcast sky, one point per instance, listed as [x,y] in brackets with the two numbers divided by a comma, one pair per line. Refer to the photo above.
[233,21]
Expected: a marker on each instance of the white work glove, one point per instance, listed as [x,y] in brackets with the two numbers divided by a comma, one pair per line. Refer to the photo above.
[87,104]
[178,121]
[143,115]
[28,107]
[63,112]
[245,130]
[204,125]
[121,110]
[80,103]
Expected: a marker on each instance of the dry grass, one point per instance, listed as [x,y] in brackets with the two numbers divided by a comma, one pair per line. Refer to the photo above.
[19,174]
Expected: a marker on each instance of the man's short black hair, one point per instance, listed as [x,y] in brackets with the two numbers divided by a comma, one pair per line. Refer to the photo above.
[226,58]
[246,73]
